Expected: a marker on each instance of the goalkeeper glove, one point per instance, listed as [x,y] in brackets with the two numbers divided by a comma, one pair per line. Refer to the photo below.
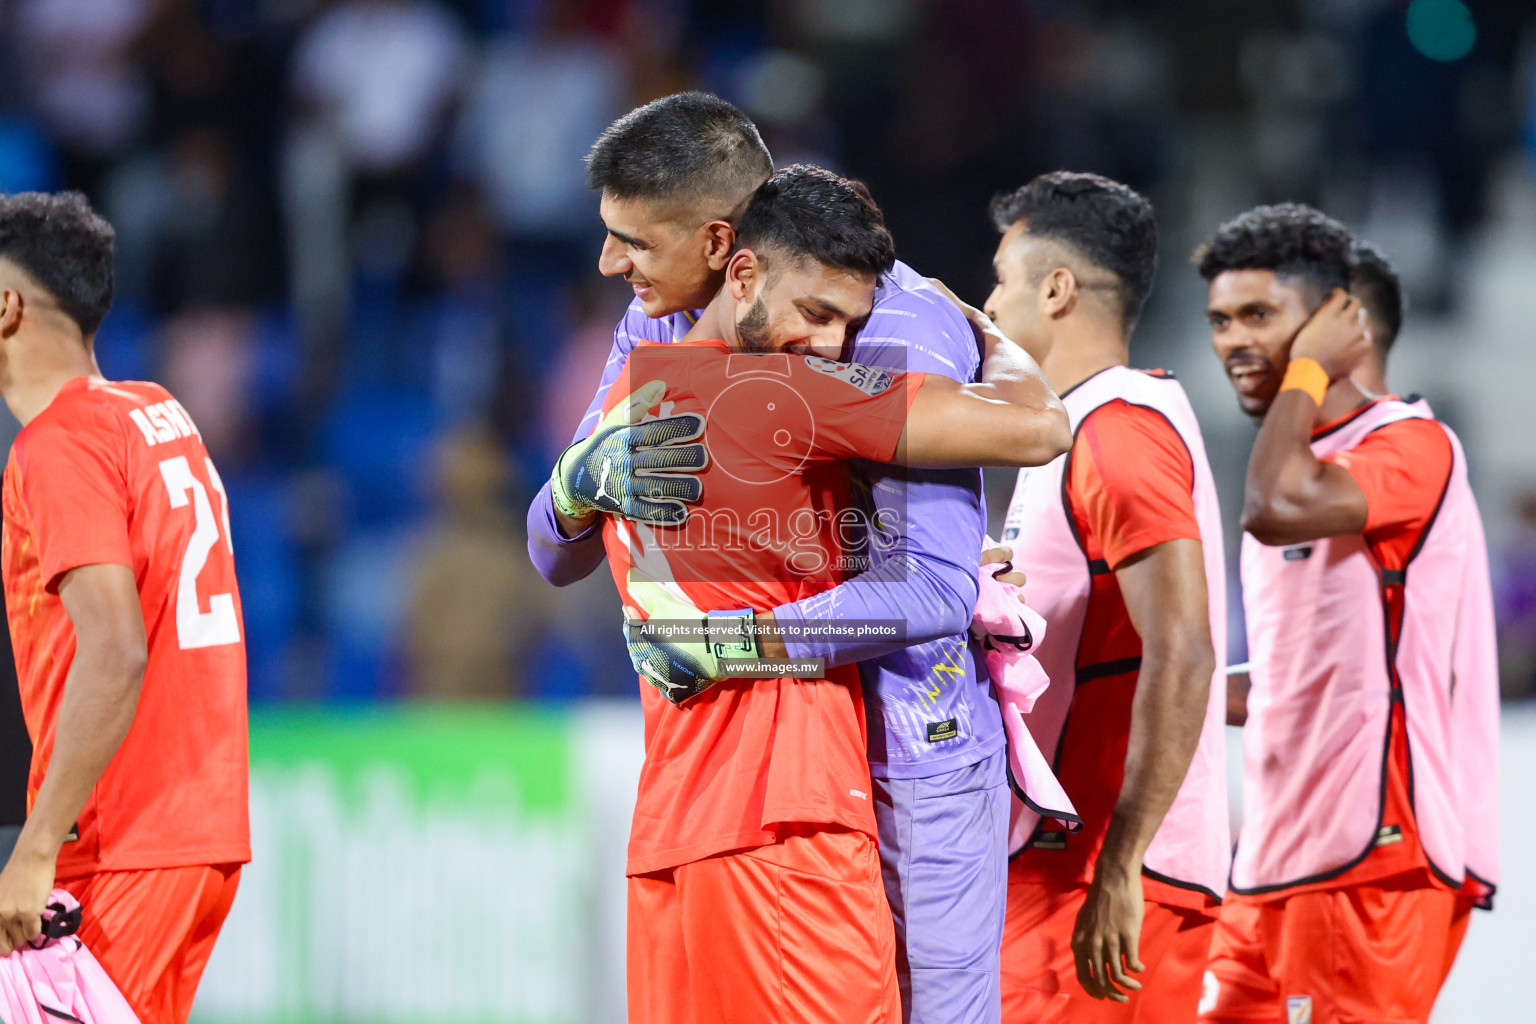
[688,663]
[620,468]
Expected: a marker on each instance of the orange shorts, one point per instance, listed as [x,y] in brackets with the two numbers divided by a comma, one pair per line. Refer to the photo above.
[1335,956]
[152,931]
[1040,975]
[796,931]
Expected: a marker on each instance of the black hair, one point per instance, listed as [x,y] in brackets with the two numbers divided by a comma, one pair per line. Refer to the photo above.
[1374,281]
[807,212]
[689,146]
[64,246]
[1110,224]
[1292,240]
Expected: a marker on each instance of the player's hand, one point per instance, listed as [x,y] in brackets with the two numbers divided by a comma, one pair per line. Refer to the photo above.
[643,471]
[686,663]
[1008,626]
[1336,335]
[994,554]
[1105,937]
[981,324]
[974,315]
[24,888]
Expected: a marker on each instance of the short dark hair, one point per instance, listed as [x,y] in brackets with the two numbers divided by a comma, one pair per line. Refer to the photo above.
[807,212]
[1292,239]
[690,145]
[64,246]
[1111,224]
[1374,281]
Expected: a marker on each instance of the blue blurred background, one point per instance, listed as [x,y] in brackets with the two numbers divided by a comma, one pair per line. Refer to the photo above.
[353,238]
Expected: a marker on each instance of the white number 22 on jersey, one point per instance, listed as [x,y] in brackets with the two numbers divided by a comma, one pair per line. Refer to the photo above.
[219,624]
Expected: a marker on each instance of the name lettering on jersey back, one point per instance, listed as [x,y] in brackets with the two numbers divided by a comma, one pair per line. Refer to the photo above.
[163,421]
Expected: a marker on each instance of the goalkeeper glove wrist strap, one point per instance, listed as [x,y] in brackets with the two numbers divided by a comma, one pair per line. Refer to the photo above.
[733,634]
[557,491]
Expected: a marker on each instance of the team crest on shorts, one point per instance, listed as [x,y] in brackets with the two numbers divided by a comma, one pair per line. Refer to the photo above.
[1298,1010]
[867,379]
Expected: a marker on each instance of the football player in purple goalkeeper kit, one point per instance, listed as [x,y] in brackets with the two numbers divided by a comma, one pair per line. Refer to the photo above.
[674,176]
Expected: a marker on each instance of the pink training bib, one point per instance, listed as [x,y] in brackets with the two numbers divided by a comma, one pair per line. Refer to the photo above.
[1324,677]
[59,980]
[1011,634]
[1192,847]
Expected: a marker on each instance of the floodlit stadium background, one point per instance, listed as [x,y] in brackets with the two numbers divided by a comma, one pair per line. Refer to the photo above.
[353,239]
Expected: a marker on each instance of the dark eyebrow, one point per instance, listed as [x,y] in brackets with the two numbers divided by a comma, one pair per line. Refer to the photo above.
[627,239]
[1243,310]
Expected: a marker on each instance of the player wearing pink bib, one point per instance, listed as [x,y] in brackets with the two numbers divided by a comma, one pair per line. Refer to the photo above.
[1372,718]
[1121,542]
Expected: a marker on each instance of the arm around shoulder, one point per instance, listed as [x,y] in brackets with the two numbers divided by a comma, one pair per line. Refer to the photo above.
[1011,418]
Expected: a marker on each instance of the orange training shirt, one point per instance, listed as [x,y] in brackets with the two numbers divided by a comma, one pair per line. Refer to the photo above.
[116,473]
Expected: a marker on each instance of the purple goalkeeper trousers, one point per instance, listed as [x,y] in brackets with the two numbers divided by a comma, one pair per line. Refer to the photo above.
[944,858]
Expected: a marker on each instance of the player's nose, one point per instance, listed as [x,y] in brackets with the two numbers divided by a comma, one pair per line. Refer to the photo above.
[1228,340]
[990,306]
[613,260]
[828,343]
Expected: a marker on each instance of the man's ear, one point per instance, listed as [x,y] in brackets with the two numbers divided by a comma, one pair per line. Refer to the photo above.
[743,274]
[719,239]
[10,312]
[1058,292]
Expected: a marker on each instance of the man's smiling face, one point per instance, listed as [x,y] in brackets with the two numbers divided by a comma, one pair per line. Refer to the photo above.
[800,306]
[661,251]
[1254,317]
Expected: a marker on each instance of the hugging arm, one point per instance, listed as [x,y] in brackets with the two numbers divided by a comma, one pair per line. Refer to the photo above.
[921,577]
[1011,418]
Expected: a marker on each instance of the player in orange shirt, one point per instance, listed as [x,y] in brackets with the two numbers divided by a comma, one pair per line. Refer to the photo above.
[1369,830]
[755,884]
[125,618]
[1121,543]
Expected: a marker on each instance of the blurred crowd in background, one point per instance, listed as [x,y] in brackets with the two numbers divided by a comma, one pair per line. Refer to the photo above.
[354,240]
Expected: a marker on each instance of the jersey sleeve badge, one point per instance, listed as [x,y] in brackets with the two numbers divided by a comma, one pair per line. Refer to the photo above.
[868,379]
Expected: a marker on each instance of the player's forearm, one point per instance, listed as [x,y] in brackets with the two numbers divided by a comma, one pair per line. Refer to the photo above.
[922,578]
[571,527]
[560,559]
[1011,376]
[101,695]
[901,602]
[1282,471]
[1017,425]
[1167,716]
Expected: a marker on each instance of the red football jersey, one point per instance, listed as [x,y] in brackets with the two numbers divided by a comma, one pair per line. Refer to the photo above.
[723,770]
[116,473]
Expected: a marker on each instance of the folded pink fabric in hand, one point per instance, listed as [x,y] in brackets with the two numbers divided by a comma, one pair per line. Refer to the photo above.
[57,980]
[1010,632]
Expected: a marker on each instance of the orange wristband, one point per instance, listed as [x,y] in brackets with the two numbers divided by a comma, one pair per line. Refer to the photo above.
[1306,375]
